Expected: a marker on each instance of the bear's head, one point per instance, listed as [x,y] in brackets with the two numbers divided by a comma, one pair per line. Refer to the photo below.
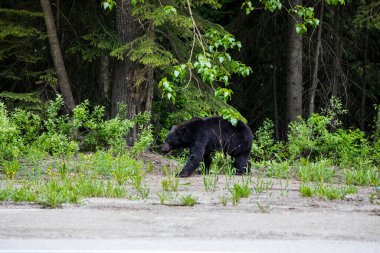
[181,136]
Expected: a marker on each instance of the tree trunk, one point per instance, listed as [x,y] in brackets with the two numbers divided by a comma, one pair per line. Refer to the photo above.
[364,87]
[337,68]
[57,14]
[275,105]
[123,88]
[294,70]
[133,84]
[55,49]
[377,133]
[104,76]
[318,49]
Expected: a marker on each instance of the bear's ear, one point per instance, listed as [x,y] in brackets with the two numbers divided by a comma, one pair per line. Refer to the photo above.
[174,127]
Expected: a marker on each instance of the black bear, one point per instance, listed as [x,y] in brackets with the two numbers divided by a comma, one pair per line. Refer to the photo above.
[204,135]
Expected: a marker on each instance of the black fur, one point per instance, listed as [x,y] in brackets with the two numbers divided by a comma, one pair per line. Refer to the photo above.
[203,136]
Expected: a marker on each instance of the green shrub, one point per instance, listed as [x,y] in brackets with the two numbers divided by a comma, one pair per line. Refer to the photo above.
[56,144]
[11,145]
[320,136]
[264,146]
[29,124]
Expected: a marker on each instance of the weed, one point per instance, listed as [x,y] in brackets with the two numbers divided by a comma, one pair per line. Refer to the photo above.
[278,170]
[223,200]
[372,197]
[102,162]
[189,200]
[283,193]
[306,190]
[162,197]
[63,170]
[114,191]
[209,177]
[209,182]
[261,185]
[362,176]
[235,197]
[171,182]
[326,191]
[320,171]
[10,168]
[169,197]
[239,191]
[89,187]
[17,194]
[222,163]
[52,194]
[263,209]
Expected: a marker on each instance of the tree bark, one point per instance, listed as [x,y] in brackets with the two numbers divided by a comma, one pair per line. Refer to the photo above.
[337,68]
[133,84]
[318,49]
[364,86]
[104,76]
[123,90]
[294,70]
[275,105]
[55,49]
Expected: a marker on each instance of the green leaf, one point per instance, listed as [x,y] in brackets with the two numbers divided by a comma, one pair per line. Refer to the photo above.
[105,5]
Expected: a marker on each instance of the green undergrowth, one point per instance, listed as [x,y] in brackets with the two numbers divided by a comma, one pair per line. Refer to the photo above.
[53,182]
[50,158]
[320,153]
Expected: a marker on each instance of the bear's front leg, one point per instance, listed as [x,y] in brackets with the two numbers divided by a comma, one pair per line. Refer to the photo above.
[196,156]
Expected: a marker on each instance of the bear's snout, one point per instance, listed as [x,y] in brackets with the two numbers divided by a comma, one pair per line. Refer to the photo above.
[166,148]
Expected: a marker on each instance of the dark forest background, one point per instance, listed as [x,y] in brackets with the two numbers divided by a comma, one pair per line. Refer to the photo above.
[119,51]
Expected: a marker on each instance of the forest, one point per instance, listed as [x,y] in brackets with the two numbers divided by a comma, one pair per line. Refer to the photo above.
[88,86]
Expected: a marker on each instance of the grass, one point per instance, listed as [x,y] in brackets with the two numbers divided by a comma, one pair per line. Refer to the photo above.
[223,200]
[168,198]
[261,185]
[189,200]
[320,171]
[170,183]
[368,176]
[239,191]
[209,178]
[326,191]
[10,168]
[57,181]
[51,182]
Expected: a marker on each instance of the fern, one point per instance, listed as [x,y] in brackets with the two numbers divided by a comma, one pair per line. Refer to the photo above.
[368,16]
[146,51]
[19,39]
[26,97]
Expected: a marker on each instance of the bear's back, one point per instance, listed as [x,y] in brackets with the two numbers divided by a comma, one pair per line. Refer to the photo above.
[222,133]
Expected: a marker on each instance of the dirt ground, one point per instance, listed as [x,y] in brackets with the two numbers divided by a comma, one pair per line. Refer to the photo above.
[279,217]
